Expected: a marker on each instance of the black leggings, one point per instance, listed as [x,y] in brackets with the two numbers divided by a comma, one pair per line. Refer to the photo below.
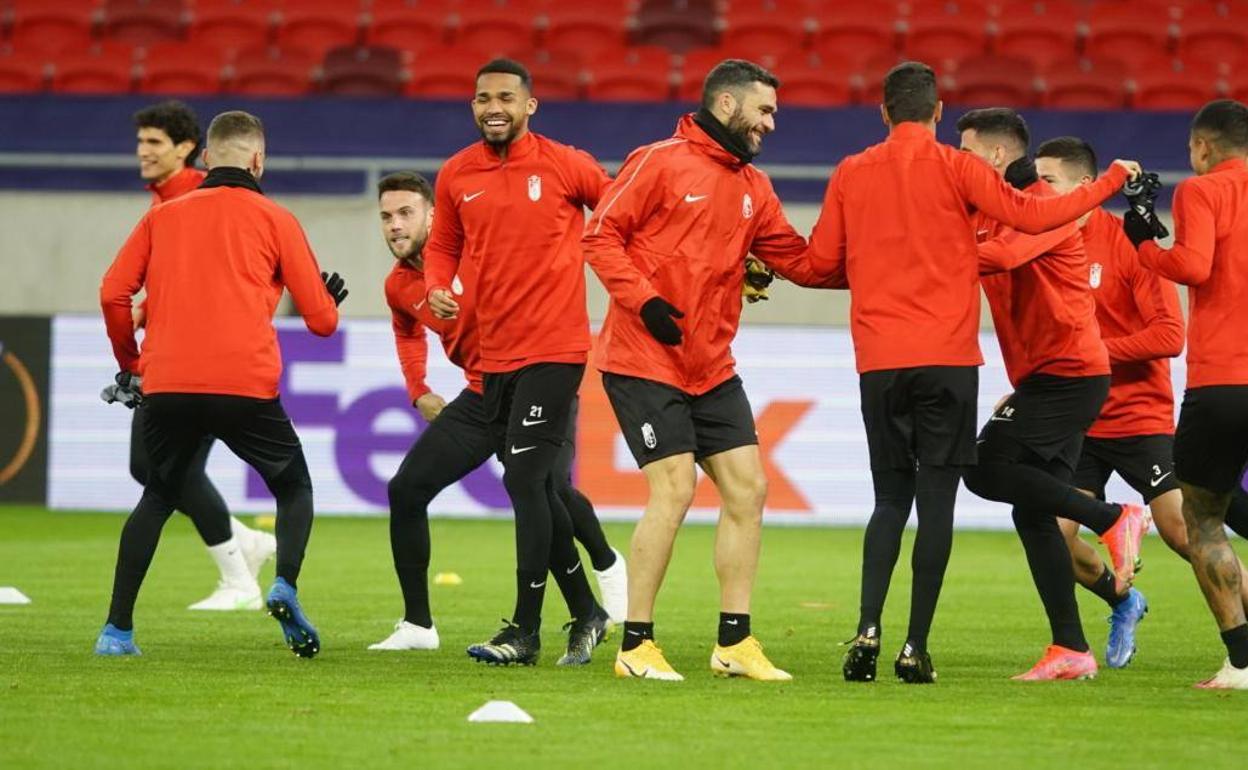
[198,498]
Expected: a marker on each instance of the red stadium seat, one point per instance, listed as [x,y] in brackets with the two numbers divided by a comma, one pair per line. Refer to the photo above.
[181,68]
[1044,32]
[495,30]
[675,30]
[1126,30]
[584,29]
[233,27]
[859,30]
[273,71]
[1173,85]
[143,22]
[443,73]
[407,29]
[363,71]
[870,81]
[52,26]
[942,34]
[808,80]
[23,72]
[103,68]
[1213,33]
[640,75]
[318,29]
[765,30]
[1082,83]
[694,67]
[995,80]
[557,75]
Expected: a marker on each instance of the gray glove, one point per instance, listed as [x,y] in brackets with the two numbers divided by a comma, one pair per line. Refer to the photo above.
[127,391]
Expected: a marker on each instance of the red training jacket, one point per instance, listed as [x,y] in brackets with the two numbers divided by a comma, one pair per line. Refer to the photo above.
[518,223]
[1210,255]
[1142,327]
[678,222]
[897,219]
[410,316]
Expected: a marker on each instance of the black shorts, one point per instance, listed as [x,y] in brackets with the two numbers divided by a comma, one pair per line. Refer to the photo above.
[924,414]
[1045,418]
[175,425]
[660,421]
[463,421]
[141,463]
[1144,462]
[531,404]
[1211,442]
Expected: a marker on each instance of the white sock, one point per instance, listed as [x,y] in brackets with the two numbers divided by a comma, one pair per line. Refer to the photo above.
[230,562]
[240,530]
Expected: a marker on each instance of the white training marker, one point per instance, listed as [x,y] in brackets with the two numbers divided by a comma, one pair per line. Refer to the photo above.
[500,711]
[10,595]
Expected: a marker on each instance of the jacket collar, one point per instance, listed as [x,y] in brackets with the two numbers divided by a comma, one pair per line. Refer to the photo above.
[691,132]
[1230,164]
[180,183]
[230,176]
[910,132]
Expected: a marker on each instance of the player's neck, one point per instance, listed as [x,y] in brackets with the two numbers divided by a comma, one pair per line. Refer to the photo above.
[503,149]
[161,180]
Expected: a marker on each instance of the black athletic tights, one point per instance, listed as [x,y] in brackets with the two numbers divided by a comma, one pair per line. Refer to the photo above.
[197,497]
[934,489]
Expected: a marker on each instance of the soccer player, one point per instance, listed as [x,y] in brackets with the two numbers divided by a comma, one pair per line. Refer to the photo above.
[458,438]
[896,219]
[670,242]
[1142,325]
[1045,318]
[210,361]
[1210,255]
[168,144]
[513,207]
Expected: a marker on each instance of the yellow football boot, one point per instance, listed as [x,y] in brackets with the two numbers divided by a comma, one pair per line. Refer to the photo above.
[746,658]
[645,662]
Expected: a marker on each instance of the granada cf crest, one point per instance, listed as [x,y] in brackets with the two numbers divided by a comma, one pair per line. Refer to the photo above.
[1094,275]
[535,188]
[747,206]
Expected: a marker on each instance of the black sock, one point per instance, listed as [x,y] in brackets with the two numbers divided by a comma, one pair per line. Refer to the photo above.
[1236,641]
[409,545]
[565,562]
[733,628]
[1106,587]
[530,591]
[936,492]
[139,537]
[1048,556]
[881,543]
[293,490]
[635,633]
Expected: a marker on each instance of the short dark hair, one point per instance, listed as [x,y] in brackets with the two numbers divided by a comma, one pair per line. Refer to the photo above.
[910,93]
[997,121]
[175,119]
[405,180]
[508,67]
[1072,150]
[1224,122]
[235,124]
[734,75]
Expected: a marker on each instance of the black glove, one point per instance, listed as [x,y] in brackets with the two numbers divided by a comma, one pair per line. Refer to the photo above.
[128,390]
[1141,194]
[657,314]
[1137,228]
[336,287]
[1021,174]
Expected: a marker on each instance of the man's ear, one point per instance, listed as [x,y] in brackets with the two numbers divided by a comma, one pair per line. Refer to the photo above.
[184,149]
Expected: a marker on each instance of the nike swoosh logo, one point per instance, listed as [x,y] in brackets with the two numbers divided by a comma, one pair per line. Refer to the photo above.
[574,568]
[690,198]
[418,305]
[731,622]
[526,422]
[470,198]
[1159,479]
[981,233]
[721,662]
[537,585]
[517,450]
[634,633]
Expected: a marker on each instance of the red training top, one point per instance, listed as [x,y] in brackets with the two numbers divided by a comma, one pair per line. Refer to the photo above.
[410,316]
[1042,306]
[897,219]
[214,263]
[1142,326]
[518,223]
[1210,255]
[678,222]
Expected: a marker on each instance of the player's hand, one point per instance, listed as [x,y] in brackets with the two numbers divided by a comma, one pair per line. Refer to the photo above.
[757,278]
[1137,228]
[430,406]
[127,390]
[1001,402]
[1133,168]
[657,315]
[443,304]
[336,287]
[138,317]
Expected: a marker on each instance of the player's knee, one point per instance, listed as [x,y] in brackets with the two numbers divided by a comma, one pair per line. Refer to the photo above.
[673,488]
[521,482]
[746,496]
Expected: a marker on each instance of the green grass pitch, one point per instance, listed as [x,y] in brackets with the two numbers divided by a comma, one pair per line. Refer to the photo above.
[220,690]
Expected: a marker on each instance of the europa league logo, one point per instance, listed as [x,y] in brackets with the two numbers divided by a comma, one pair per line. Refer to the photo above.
[9,466]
